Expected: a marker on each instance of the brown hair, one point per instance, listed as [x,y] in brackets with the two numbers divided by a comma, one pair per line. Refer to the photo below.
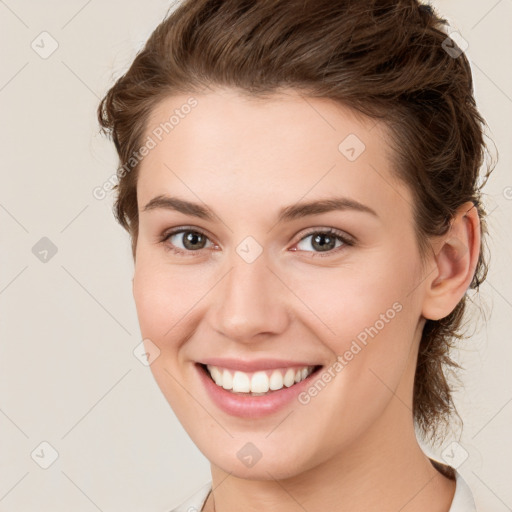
[387,59]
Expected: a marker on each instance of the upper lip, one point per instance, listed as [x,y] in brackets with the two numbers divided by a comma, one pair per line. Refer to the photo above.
[254,365]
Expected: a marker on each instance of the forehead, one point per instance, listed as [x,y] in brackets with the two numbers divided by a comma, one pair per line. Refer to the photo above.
[277,149]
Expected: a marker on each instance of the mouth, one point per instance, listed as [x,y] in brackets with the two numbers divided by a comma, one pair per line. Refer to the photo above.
[259,383]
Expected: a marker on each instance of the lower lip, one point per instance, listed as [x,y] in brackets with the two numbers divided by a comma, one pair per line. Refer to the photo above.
[247,406]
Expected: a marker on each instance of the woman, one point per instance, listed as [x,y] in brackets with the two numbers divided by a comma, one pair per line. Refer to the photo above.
[300,180]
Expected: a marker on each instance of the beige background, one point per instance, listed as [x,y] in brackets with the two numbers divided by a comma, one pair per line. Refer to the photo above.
[68,375]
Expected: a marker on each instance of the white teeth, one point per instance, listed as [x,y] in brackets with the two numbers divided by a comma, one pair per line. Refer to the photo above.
[289,377]
[227,380]
[216,375]
[276,380]
[258,382]
[241,382]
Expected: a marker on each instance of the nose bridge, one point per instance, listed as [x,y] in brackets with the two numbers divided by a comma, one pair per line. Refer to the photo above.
[249,300]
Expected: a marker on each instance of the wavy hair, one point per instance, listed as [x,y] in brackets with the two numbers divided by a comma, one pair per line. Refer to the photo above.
[388,59]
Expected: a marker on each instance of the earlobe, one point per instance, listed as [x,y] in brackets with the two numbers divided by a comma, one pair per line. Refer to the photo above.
[455,259]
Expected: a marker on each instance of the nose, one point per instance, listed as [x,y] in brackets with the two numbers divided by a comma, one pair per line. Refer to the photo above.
[250,301]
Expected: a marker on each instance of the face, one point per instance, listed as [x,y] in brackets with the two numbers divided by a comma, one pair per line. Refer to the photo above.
[265,279]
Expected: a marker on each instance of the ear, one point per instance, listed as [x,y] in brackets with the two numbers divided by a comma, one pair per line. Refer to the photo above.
[454,260]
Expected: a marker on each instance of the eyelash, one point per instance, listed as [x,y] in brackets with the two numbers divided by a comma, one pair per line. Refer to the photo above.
[347,242]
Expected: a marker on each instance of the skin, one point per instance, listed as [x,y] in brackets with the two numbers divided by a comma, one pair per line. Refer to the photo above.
[246,159]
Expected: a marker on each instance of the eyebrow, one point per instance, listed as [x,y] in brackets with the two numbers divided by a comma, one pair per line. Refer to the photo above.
[286,214]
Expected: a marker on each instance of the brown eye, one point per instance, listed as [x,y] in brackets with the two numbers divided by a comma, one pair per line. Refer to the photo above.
[186,240]
[329,242]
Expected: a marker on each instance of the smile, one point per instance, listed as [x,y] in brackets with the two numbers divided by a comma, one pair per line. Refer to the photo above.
[255,394]
[260,382]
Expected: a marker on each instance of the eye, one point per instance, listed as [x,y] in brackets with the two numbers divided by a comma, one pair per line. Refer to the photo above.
[184,240]
[324,241]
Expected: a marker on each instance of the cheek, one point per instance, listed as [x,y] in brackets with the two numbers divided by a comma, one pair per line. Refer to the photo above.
[367,315]
[170,301]
[164,302]
[368,322]
[346,303]
[161,299]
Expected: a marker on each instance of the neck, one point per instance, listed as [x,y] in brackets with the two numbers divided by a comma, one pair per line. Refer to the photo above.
[404,481]
[383,470]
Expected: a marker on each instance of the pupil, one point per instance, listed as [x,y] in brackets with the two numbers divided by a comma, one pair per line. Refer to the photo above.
[327,245]
[192,238]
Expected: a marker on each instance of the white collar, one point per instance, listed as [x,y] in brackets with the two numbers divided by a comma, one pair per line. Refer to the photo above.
[463,499]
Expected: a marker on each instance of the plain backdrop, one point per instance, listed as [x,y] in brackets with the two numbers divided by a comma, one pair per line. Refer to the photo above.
[68,376]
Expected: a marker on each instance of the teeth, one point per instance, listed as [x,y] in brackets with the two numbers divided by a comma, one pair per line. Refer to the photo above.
[289,377]
[241,382]
[227,380]
[258,382]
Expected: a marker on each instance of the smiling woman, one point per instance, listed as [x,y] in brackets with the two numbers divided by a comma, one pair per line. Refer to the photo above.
[303,239]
